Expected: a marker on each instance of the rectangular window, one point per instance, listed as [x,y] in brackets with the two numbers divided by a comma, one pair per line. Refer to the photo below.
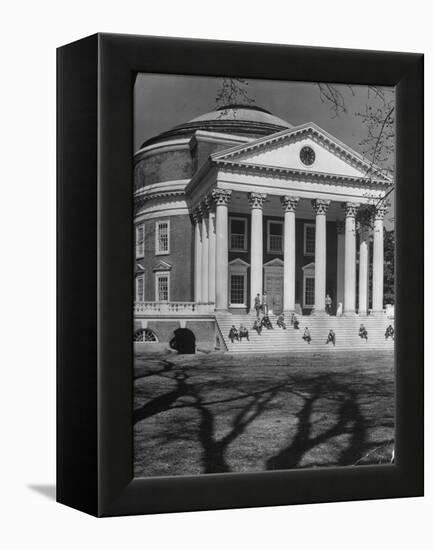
[309,291]
[140,288]
[309,239]
[238,289]
[238,234]
[162,237]
[162,287]
[140,240]
[275,236]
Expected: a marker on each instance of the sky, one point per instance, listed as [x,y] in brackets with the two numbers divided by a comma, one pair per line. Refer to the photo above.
[163,101]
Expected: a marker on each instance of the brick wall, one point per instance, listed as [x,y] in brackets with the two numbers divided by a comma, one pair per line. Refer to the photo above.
[160,167]
[180,257]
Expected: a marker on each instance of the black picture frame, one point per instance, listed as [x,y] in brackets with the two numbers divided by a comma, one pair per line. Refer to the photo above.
[95,266]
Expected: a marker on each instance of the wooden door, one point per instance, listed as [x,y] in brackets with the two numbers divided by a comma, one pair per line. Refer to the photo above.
[274,288]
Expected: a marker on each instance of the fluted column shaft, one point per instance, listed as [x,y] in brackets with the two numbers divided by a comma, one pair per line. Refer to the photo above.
[211,256]
[197,256]
[378,266]
[363,270]
[205,259]
[256,201]
[289,206]
[221,198]
[320,207]
[350,257]
[340,268]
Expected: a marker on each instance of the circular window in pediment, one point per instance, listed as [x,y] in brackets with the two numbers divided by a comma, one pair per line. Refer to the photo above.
[307,155]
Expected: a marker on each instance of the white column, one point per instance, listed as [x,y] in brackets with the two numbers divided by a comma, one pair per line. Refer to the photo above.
[378,267]
[221,198]
[211,252]
[205,243]
[197,256]
[289,206]
[340,268]
[320,207]
[350,258]
[363,270]
[256,201]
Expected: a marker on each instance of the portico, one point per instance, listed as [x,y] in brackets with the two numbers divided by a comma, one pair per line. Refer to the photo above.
[213,286]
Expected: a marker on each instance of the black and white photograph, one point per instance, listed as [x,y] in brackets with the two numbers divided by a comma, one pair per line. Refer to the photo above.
[264,285]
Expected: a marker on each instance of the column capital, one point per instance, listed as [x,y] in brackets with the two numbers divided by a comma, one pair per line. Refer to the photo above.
[320,206]
[196,214]
[221,196]
[350,209]
[203,208]
[380,212]
[289,203]
[210,203]
[340,227]
[256,200]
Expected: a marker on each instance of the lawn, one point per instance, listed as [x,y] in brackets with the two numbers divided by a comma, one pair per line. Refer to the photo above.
[217,413]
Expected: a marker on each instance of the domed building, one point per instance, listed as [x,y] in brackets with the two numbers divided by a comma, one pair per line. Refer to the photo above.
[238,203]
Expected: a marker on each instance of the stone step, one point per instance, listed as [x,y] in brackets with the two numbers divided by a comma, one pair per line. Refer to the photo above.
[290,340]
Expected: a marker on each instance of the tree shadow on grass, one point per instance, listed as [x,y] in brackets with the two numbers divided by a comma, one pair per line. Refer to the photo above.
[163,402]
[213,456]
[213,450]
[350,420]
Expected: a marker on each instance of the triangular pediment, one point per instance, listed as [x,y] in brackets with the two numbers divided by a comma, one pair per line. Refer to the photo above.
[305,148]
[275,262]
[161,265]
[309,267]
[239,262]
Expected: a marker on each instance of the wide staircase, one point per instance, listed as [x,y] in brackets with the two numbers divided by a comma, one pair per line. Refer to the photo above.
[279,340]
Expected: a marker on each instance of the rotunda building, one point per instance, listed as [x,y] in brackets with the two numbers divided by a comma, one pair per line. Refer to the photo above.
[238,204]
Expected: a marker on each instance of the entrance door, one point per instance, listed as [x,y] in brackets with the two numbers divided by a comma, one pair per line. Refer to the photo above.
[274,288]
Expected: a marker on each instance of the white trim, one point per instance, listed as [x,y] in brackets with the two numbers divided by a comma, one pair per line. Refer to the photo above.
[305,252]
[140,249]
[308,273]
[183,143]
[277,222]
[159,274]
[141,277]
[238,267]
[157,241]
[238,218]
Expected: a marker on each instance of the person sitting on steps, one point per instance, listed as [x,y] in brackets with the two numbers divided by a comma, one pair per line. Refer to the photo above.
[233,334]
[295,322]
[390,333]
[331,337]
[306,336]
[281,321]
[257,326]
[244,333]
[266,322]
[363,333]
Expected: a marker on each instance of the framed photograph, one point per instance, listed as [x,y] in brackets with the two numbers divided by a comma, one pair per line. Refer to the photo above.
[240,267]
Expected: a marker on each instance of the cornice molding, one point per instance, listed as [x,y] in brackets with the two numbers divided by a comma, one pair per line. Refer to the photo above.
[279,171]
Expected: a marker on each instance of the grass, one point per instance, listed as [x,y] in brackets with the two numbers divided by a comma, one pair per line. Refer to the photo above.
[217,413]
